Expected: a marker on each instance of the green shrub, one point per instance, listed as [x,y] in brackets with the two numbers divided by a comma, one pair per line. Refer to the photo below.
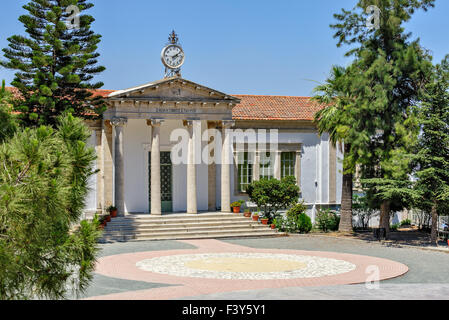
[296,220]
[394,227]
[327,220]
[304,223]
[406,222]
[273,195]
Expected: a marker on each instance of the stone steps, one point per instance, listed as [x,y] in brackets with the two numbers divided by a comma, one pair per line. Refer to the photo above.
[176,227]
[182,224]
[195,235]
[180,221]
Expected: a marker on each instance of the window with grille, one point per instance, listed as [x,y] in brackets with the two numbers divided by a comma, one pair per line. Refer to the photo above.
[245,170]
[288,162]
[266,165]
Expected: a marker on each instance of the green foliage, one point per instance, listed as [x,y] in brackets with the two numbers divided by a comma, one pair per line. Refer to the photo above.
[296,220]
[406,222]
[432,153]
[363,210]
[394,227]
[273,195]
[8,125]
[238,203]
[327,220]
[43,186]
[335,118]
[54,64]
[111,208]
[385,82]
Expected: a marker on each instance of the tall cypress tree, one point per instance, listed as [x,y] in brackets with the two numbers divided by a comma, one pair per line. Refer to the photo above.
[432,156]
[388,74]
[56,62]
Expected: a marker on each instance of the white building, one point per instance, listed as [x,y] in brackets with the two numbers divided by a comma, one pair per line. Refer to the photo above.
[147,119]
[145,126]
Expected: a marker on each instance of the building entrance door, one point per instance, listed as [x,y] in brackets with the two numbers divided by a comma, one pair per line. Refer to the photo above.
[166,181]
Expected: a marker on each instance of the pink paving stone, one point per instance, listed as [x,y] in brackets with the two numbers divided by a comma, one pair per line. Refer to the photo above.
[123,266]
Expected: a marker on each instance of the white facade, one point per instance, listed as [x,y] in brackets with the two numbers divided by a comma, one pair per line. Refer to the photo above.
[124,147]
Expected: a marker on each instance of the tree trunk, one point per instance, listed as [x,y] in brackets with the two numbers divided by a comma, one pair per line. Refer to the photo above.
[434,233]
[385,217]
[346,201]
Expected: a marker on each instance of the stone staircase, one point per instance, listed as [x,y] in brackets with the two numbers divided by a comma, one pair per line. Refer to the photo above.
[183,226]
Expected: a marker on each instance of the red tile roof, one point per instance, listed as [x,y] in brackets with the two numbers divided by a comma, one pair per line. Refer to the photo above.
[256,107]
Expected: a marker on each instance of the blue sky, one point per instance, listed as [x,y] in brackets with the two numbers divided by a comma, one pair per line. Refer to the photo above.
[235,46]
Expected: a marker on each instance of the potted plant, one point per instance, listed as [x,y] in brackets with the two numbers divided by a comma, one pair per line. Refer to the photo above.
[236,206]
[112,211]
[247,213]
[264,221]
[103,222]
[256,217]
[273,224]
[108,218]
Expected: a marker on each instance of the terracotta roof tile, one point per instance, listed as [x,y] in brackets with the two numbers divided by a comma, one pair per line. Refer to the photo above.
[253,107]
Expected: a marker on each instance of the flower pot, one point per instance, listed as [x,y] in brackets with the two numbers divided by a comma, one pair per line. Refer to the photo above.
[236,209]
[247,214]
[108,218]
[273,226]
[255,218]
[114,213]
[264,221]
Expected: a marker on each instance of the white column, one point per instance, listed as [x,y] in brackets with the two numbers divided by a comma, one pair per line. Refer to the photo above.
[192,207]
[277,165]
[226,161]
[156,207]
[118,124]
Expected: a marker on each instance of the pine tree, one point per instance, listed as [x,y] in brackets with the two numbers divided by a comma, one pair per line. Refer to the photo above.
[388,75]
[334,120]
[432,155]
[55,63]
[43,186]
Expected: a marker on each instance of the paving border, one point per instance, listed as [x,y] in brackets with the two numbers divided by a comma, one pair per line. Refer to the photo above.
[123,266]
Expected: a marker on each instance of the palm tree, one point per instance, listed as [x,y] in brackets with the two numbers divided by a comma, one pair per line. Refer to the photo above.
[334,120]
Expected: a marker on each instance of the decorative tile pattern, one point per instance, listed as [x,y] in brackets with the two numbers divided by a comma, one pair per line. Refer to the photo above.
[279,266]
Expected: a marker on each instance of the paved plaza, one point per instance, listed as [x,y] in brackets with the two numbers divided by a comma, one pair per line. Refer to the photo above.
[295,267]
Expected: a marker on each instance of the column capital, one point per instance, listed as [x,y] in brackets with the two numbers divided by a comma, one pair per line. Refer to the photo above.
[187,123]
[227,123]
[155,122]
[212,124]
[119,121]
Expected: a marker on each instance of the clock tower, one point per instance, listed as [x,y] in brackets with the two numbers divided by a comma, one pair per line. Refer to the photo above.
[172,56]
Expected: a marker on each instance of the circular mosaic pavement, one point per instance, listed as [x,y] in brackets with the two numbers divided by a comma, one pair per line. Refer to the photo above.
[246,266]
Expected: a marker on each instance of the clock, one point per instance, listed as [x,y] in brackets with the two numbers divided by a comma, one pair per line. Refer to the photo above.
[173,56]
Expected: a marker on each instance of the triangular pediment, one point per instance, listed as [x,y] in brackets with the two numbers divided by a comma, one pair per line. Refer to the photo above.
[173,89]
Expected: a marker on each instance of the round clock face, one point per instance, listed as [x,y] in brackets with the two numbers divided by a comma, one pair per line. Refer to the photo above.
[172,56]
